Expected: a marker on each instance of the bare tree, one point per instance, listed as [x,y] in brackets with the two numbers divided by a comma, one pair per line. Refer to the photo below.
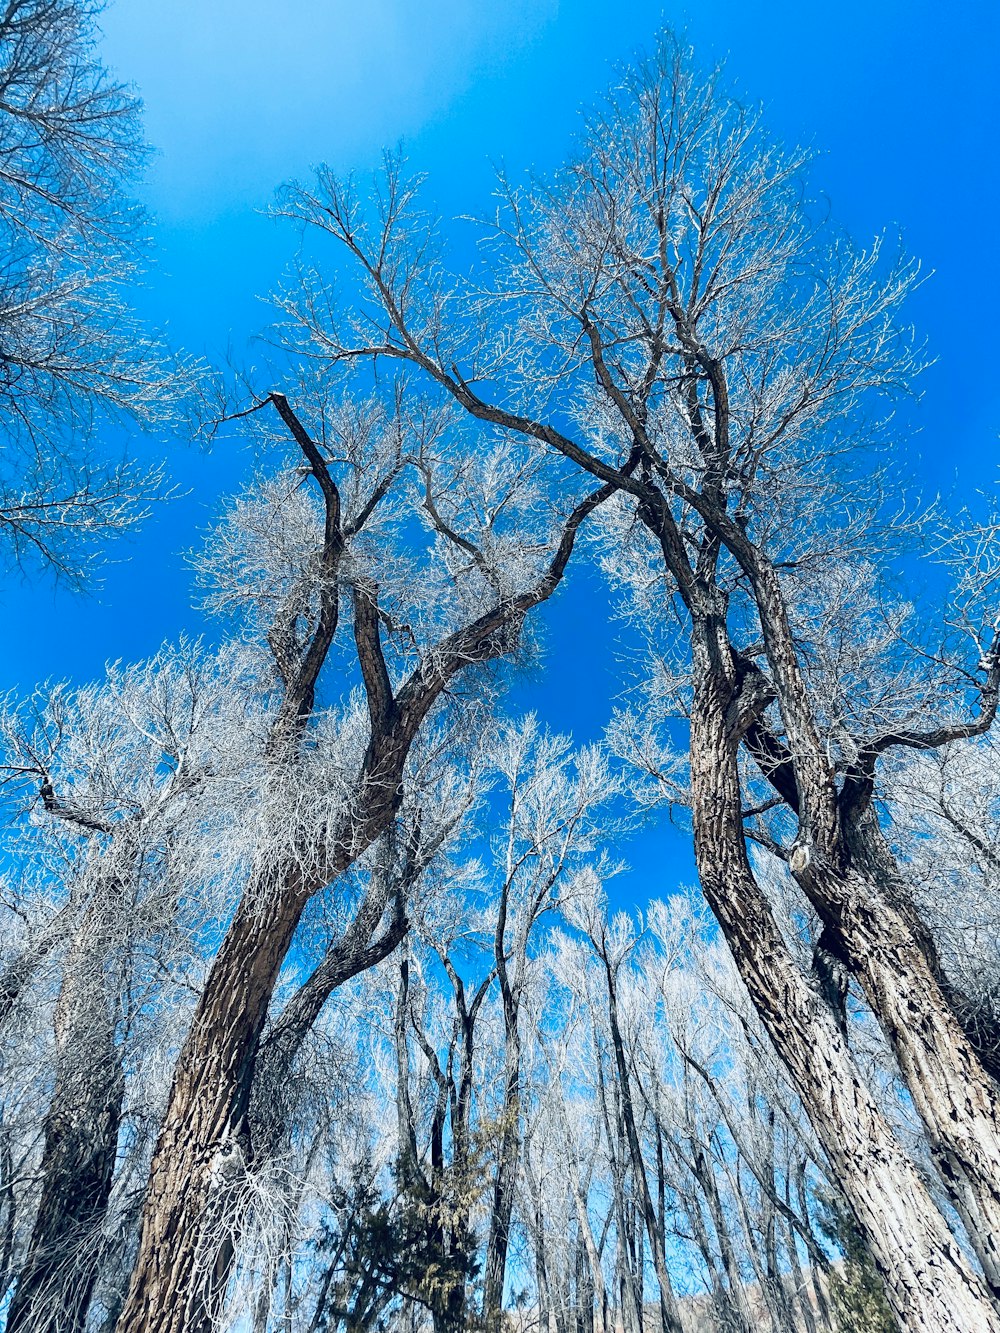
[75,361]
[666,315]
[112,784]
[330,784]
[557,813]
[613,942]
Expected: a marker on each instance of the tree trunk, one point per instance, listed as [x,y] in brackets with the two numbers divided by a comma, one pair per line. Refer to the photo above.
[186,1245]
[839,866]
[498,1240]
[734,1294]
[930,1284]
[630,1300]
[81,1138]
[669,1314]
[586,1235]
[957,1101]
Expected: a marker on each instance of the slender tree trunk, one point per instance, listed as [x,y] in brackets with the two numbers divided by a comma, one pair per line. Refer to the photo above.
[774,1289]
[818,1267]
[801,1287]
[583,1287]
[736,1299]
[586,1234]
[542,1283]
[930,1283]
[669,1313]
[630,1300]
[8,1211]
[718,1283]
[495,1268]
[81,1137]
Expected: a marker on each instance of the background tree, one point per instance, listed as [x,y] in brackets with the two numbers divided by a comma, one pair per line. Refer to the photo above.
[666,315]
[74,359]
[107,785]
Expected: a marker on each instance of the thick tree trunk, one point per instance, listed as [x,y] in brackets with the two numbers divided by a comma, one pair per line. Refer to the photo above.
[930,1283]
[185,1249]
[55,1286]
[836,861]
[872,857]
[957,1101]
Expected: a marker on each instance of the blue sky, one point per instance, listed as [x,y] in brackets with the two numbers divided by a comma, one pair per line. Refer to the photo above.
[901,100]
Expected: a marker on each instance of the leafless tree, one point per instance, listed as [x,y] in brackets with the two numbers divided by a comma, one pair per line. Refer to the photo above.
[75,363]
[331,781]
[668,315]
[110,785]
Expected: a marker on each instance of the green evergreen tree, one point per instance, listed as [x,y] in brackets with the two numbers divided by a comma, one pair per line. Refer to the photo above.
[857,1293]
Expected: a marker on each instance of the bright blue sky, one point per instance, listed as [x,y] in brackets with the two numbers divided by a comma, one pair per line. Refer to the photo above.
[900,97]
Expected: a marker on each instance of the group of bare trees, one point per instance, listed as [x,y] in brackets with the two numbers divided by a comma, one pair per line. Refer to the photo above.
[76,365]
[314,1013]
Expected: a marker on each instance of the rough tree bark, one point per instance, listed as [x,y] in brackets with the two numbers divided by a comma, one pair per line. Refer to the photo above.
[187,1242]
[931,1285]
[56,1283]
[57,1280]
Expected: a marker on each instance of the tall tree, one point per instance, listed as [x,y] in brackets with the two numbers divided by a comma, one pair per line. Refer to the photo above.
[75,359]
[331,785]
[686,333]
[111,781]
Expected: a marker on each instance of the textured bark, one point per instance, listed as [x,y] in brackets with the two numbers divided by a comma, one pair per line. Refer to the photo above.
[55,1285]
[956,1099]
[872,857]
[184,1255]
[930,1283]
[354,953]
[186,1247]
[877,933]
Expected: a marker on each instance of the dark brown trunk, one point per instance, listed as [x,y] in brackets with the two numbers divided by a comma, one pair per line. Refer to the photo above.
[186,1248]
